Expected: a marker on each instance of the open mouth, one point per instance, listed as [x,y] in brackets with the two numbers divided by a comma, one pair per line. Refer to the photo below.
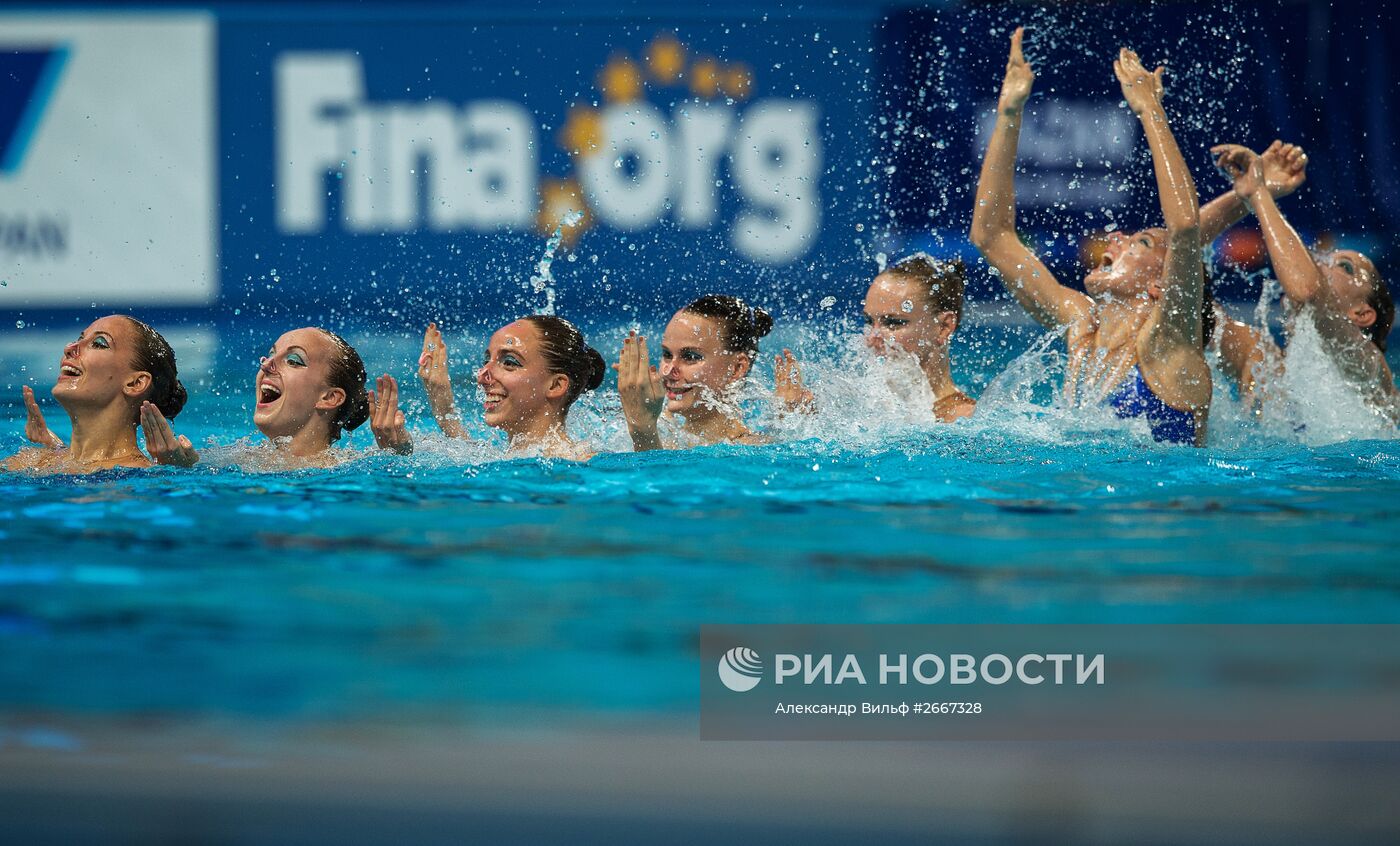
[492,401]
[68,371]
[268,393]
[675,392]
[1106,262]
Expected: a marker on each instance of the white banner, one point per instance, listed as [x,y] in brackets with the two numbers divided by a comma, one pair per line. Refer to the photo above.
[107,160]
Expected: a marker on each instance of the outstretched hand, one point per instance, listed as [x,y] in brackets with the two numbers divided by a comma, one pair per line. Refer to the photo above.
[162,443]
[639,387]
[1141,88]
[1285,168]
[432,372]
[35,429]
[386,420]
[787,384]
[1241,166]
[1016,85]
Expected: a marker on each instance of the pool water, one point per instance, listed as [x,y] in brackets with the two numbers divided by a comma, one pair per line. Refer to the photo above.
[457,584]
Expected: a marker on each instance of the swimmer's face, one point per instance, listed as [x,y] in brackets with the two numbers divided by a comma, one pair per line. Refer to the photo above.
[1353,278]
[515,380]
[98,367]
[293,384]
[695,366]
[898,317]
[1131,265]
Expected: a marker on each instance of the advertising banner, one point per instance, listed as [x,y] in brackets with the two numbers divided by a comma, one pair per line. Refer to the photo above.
[441,163]
[107,179]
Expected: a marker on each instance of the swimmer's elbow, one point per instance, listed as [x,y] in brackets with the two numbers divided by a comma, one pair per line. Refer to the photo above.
[1184,231]
[990,240]
[981,235]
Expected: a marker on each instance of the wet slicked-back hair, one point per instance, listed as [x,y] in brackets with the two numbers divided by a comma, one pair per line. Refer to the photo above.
[1380,300]
[741,325]
[565,351]
[348,374]
[942,282]
[153,354]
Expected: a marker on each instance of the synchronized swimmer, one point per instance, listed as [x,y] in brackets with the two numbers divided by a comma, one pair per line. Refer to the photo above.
[1137,336]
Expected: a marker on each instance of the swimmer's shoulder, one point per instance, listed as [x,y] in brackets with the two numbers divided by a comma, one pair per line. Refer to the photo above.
[46,460]
[31,459]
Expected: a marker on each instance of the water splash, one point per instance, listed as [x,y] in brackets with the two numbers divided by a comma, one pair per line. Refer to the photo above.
[543,280]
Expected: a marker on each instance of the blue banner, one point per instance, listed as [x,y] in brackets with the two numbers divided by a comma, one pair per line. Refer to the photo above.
[416,165]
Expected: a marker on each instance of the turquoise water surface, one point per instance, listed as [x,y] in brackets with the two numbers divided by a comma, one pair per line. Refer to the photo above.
[457,582]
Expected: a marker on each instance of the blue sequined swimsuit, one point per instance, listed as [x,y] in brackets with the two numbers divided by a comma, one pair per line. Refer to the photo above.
[1133,398]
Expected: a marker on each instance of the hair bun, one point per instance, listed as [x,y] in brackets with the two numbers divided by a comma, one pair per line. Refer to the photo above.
[357,410]
[762,322]
[600,368]
[171,405]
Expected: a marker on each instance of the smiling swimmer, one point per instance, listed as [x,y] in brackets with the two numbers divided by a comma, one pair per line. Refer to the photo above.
[533,371]
[114,368]
[707,349]
[310,388]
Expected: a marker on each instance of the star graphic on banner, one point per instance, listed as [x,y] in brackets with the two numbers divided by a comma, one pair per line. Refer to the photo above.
[620,80]
[559,198]
[704,77]
[582,131]
[666,58]
[737,81]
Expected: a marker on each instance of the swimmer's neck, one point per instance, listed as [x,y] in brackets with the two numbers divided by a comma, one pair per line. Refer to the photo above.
[1117,323]
[311,441]
[105,436]
[541,432]
[939,374]
[711,426]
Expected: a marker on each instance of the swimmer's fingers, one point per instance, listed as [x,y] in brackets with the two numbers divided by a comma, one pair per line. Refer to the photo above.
[157,432]
[35,427]
[643,357]
[1285,168]
[432,363]
[790,389]
[162,443]
[391,393]
[657,392]
[387,422]
[624,363]
[1232,160]
[1017,56]
[1016,86]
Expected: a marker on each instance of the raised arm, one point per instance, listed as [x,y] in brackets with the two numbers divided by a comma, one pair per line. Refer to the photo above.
[1285,170]
[1301,279]
[432,371]
[1182,281]
[994,214]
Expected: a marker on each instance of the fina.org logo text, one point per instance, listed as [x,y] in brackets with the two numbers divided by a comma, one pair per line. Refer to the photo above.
[672,140]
